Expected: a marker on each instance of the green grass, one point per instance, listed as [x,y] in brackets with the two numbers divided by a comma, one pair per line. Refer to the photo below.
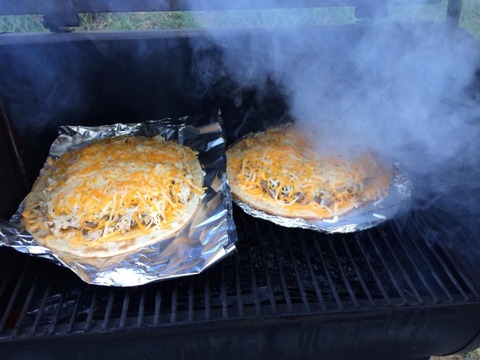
[136,21]
[470,18]
[22,23]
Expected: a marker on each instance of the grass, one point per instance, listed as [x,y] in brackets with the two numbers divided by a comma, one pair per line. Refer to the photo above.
[470,18]
[21,23]
[274,17]
[136,21]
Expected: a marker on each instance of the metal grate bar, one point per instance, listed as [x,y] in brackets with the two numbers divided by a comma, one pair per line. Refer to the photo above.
[190,302]
[54,321]
[283,281]
[387,269]
[124,313]
[108,310]
[402,268]
[297,274]
[6,280]
[223,293]
[449,274]
[13,296]
[71,323]
[372,271]
[348,286]
[447,269]
[241,312]
[141,309]
[329,277]
[318,291]
[6,277]
[25,306]
[404,272]
[253,280]
[174,302]
[417,271]
[158,306]
[431,266]
[91,311]
[271,294]
[41,309]
[466,280]
[358,273]
[207,296]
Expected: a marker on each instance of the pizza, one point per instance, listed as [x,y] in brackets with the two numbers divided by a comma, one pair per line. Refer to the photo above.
[281,172]
[113,196]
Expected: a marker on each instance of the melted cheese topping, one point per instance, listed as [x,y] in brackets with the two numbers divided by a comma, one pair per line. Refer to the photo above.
[280,168]
[116,185]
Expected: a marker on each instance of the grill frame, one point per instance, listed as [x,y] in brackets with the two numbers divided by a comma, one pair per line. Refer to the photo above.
[262,339]
[257,302]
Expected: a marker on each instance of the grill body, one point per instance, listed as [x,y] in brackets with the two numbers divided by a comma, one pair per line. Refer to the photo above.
[391,292]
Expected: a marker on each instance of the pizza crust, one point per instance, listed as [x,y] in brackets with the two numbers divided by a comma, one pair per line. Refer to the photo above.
[271,150]
[72,238]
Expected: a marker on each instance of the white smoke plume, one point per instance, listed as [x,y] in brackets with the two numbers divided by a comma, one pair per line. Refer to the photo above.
[404,91]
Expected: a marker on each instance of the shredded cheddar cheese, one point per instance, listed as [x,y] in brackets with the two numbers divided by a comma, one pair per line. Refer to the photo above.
[280,171]
[110,187]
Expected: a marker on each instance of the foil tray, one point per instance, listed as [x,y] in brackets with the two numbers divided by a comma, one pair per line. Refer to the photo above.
[364,217]
[208,237]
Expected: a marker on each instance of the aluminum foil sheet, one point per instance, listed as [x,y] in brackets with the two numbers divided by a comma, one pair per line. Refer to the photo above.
[364,217]
[207,238]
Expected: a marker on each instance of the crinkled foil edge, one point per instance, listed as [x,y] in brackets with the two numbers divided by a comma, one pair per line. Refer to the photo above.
[364,217]
[206,239]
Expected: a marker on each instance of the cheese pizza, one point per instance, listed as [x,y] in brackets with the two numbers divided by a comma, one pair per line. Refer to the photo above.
[281,172]
[114,196]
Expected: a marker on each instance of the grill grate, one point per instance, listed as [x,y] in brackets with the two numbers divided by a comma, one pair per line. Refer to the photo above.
[276,271]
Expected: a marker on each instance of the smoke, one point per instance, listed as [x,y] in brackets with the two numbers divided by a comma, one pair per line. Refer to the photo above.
[405,92]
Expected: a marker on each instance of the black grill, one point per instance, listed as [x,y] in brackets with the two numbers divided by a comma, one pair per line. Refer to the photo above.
[408,288]
[276,273]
